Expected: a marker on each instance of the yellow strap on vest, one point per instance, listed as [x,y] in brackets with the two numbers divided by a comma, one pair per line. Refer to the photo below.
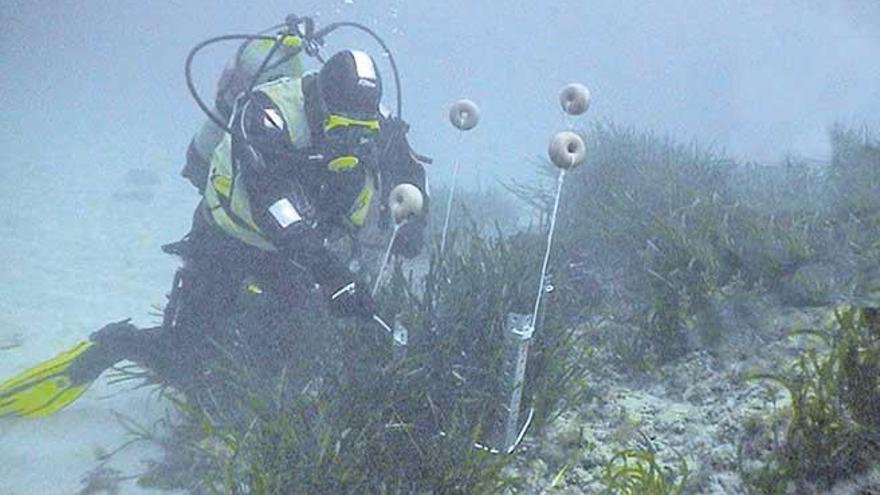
[362,205]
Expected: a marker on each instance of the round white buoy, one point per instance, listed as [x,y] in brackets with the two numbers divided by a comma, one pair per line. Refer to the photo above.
[464,115]
[575,99]
[405,200]
[567,150]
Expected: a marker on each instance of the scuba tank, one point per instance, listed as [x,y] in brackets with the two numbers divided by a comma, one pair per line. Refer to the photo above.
[240,73]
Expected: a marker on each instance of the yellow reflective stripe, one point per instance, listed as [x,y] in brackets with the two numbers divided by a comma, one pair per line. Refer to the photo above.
[221,184]
[227,200]
[362,206]
[333,121]
[241,231]
[240,206]
[343,163]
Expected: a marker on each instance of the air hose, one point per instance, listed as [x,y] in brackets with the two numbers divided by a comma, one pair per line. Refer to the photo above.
[188,70]
[302,27]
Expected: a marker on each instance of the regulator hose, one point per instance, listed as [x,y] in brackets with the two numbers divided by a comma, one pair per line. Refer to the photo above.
[312,42]
[188,71]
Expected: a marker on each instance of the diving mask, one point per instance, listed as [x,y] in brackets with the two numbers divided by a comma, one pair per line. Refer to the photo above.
[349,141]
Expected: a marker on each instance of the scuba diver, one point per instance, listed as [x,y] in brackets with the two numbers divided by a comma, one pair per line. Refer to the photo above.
[287,163]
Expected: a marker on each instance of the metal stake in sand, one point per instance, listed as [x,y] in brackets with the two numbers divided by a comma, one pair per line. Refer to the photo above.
[518,331]
[567,150]
[404,201]
[464,116]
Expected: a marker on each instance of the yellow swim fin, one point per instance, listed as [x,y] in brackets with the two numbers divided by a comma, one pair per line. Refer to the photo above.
[45,388]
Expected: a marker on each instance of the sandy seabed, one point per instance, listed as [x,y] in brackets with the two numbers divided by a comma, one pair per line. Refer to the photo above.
[79,252]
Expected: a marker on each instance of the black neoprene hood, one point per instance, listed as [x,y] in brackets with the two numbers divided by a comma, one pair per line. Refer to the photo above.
[350,84]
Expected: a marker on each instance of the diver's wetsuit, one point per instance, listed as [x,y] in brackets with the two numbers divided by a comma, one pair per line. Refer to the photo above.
[226,266]
[220,277]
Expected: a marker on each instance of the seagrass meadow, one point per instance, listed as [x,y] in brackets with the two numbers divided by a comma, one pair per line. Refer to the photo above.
[708,327]
[706,321]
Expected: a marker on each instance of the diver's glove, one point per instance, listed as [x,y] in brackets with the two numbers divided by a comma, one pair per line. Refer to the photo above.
[410,238]
[350,299]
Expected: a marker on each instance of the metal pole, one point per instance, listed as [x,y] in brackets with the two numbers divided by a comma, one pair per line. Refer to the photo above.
[518,331]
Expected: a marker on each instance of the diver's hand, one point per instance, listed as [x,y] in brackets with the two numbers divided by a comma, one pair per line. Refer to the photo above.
[351,299]
[410,238]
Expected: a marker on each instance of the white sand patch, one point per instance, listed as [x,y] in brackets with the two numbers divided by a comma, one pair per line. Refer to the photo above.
[76,258]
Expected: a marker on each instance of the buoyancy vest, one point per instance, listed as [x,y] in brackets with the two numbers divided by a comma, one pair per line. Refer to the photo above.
[225,194]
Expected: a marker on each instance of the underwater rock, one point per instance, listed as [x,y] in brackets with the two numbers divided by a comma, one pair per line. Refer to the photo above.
[139,184]
[698,408]
[141,177]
